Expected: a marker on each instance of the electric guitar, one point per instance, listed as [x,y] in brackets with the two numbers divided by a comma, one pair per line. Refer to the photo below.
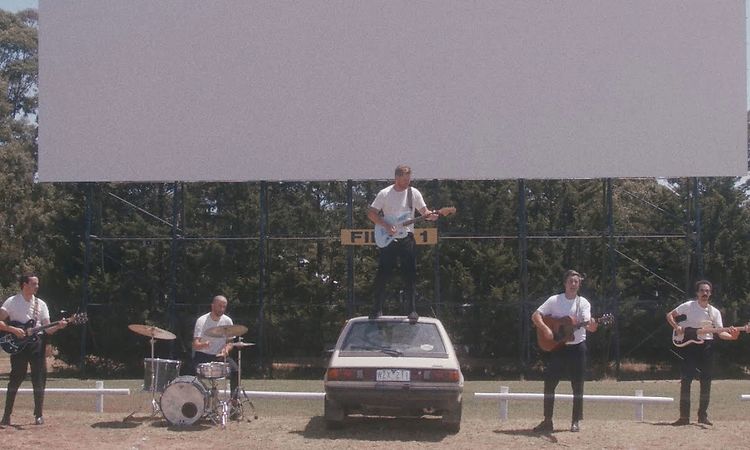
[563,329]
[383,238]
[690,335]
[13,344]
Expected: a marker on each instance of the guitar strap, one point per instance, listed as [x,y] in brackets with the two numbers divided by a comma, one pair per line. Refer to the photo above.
[410,203]
[35,310]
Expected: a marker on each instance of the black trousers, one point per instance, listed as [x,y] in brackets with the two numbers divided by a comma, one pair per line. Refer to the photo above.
[401,251]
[234,374]
[34,356]
[697,359]
[570,359]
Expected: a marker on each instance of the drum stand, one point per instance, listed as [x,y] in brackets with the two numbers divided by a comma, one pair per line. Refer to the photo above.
[218,410]
[237,404]
[155,409]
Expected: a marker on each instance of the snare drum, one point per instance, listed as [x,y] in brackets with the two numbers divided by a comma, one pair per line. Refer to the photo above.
[213,370]
[161,371]
[184,401]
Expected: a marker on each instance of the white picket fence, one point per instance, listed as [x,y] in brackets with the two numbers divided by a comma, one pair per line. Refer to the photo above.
[504,396]
[99,391]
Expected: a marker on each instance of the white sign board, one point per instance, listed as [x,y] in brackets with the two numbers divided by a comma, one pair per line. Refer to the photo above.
[236,90]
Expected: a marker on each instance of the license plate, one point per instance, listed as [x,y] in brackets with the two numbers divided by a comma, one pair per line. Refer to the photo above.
[392,375]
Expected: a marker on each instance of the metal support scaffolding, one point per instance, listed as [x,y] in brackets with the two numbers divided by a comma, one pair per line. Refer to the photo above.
[350,301]
[262,246]
[691,232]
[613,295]
[523,320]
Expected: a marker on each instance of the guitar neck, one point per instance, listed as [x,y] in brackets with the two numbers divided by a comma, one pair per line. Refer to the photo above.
[412,221]
[42,327]
[721,330]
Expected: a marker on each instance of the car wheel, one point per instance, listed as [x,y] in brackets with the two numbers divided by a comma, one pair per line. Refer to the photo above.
[334,414]
[452,419]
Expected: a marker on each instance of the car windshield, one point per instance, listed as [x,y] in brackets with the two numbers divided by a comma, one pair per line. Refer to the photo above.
[394,339]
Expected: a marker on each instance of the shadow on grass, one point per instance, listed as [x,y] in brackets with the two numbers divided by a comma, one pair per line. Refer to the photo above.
[378,429]
[155,422]
[115,424]
[201,425]
[528,432]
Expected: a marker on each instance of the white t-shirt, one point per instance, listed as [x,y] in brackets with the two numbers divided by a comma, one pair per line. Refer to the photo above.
[559,306]
[20,310]
[395,204]
[699,317]
[205,323]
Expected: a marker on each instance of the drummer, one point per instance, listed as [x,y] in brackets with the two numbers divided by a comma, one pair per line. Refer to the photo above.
[207,348]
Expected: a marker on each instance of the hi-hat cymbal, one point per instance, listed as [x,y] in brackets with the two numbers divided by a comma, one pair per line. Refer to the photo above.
[152,332]
[243,344]
[226,331]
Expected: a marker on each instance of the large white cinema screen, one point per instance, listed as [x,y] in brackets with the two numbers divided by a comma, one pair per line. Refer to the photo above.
[234,90]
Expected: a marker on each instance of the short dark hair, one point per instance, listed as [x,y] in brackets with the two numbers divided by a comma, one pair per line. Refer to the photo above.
[700,282]
[571,273]
[25,277]
[402,169]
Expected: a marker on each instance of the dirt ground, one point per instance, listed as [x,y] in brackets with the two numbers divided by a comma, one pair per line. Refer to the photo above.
[72,423]
[108,431]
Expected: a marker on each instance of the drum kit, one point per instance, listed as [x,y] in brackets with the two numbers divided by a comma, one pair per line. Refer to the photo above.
[186,399]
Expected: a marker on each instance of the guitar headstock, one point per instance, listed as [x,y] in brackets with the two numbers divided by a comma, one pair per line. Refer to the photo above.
[78,318]
[447,211]
[606,319]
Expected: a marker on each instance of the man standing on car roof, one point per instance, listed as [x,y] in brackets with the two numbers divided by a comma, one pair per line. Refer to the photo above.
[394,201]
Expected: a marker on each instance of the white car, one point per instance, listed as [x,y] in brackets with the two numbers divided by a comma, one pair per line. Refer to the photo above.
[393,367]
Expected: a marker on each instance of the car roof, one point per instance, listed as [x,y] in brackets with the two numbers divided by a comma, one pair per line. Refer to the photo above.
[421,319]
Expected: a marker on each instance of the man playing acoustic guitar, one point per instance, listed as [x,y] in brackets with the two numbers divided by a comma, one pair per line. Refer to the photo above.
[394,201]
[698,314]
[572,355]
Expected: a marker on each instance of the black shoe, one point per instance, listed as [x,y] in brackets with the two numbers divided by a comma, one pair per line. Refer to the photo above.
[39,420]
[681,421]
[544,427]
[574,427]
[704,421]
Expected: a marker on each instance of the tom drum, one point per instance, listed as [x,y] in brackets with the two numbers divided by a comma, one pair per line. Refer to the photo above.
[160,372]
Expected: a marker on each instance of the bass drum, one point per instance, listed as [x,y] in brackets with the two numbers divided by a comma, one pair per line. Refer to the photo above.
[160,371]
[184,401]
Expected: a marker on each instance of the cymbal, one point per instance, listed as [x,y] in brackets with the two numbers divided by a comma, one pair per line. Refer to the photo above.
[226,331]
[152,332]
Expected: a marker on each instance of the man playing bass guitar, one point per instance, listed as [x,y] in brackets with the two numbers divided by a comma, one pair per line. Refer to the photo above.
[699,356]
[572,356]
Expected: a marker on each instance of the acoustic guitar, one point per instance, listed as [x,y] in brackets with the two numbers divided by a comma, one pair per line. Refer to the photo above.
[563,329]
